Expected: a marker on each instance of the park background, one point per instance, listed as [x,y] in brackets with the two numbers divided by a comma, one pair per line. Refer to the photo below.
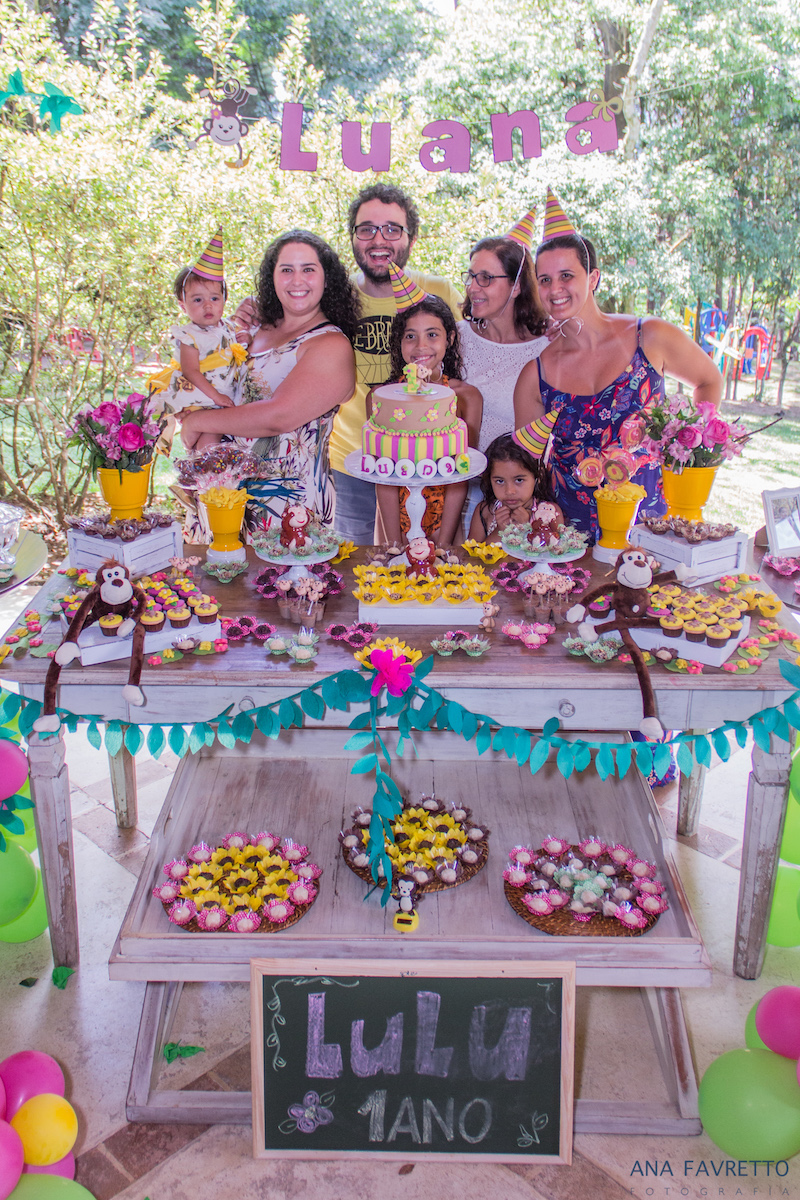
[699,202]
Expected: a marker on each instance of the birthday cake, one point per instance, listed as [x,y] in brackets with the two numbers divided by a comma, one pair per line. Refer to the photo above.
[414,433]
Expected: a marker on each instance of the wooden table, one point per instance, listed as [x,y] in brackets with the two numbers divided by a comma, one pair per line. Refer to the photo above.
[512,685]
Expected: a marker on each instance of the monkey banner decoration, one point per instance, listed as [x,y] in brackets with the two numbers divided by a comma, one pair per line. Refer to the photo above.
[634,571]
[225,127]
[113,593]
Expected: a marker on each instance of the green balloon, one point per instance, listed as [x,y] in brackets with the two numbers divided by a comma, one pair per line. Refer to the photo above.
[49,1187]
[749,1104]
[790,842]
[794,778]
[17,882]
[784,920]
[751,1037]
[33,921]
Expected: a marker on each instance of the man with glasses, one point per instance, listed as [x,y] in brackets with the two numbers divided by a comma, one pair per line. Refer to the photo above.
[383,224]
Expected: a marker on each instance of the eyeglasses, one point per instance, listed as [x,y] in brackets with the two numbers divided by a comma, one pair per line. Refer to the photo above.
[482,278]
[392,232]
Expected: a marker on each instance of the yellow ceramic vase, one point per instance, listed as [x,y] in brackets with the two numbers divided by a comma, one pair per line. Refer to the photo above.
[686,493]
[125,492]
[616,513]
[225,522]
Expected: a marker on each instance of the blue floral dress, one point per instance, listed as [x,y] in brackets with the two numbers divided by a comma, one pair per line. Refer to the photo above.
[587,424]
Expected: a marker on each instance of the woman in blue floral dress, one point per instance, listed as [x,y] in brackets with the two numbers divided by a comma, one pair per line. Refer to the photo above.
[300,368]
[598,370]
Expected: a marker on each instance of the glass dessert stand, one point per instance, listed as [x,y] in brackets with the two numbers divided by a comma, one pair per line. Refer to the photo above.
[298,564]
[541,560]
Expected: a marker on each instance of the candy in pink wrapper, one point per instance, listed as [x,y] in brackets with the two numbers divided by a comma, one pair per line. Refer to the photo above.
[592,847]
[620,853]
[244,921]
[182,912]
[640,868]
[167,892]
[651,887]
[652,905]
[301,892]
[557,898]
[200,853]
[538,904]
[631,918]
[277,911]
[235,840]
[268,840]
[212,919]
[292,852]
[177,869]
[307,870]
[516,875]
[554,847]
[522,855]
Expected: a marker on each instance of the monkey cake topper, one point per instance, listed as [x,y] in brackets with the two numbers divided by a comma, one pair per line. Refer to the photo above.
[226,127]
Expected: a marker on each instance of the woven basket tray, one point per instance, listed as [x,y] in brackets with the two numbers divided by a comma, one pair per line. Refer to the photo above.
[562,923]
[265,926]
[436,885]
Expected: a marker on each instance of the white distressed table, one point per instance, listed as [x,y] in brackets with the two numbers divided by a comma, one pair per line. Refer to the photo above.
[303,783]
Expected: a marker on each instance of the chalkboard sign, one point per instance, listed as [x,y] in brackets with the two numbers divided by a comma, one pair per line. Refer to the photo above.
[413,1060]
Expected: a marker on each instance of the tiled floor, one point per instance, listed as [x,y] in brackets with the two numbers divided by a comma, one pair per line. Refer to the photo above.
[90,1027]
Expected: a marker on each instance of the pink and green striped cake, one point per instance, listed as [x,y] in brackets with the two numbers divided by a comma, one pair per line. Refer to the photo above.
[415,427]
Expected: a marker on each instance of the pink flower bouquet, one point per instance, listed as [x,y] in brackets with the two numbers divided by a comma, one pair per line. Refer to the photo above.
[680,433]
[118,435]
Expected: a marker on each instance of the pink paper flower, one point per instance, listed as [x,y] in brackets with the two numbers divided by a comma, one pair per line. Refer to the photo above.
[220,645]
[694,668]
[395,674]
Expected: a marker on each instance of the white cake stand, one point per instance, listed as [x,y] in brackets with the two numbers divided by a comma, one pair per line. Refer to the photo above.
[416,502]
[540,561]
[298,566]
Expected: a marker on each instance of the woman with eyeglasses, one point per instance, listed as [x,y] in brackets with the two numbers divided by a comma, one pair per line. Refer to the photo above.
[503,328]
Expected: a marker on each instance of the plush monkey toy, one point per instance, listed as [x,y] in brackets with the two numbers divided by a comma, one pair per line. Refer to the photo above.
[113,592]
[629,600]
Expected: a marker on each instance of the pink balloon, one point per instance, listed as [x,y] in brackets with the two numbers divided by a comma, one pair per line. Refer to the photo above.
[2,1101]
[11,1159]
[65,1166]
[778,1020]
[26,1074]
[13,768]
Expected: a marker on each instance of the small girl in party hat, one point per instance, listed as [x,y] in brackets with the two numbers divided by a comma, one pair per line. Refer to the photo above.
[208,352]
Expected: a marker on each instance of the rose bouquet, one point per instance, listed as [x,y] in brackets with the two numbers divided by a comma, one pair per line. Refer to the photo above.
[121,436]
[683,434]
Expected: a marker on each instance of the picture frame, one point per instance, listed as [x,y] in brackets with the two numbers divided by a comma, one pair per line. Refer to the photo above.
[782,516]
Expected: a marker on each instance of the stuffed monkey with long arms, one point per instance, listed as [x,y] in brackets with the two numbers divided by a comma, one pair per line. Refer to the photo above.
[629,599]
[113,592]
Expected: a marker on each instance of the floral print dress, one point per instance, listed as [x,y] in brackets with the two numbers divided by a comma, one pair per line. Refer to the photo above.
[297,462]
[587,425]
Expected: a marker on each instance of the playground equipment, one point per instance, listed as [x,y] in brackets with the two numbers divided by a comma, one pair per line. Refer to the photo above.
[750,353]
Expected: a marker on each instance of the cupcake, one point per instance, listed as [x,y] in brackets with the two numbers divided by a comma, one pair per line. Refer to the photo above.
[110,624]
[206,613]
[695,630]
[735,627]
[600,607]
[152,621]
[671,627]
[179,617]
[717,635]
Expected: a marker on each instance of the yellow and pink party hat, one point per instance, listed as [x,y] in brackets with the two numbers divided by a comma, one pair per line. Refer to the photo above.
[522,232]
[406,292]
[556,221]
[534,437]
[209,264]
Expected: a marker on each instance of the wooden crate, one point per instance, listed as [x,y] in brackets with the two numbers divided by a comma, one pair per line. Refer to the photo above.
[95,647]
[711,560]
[149,552]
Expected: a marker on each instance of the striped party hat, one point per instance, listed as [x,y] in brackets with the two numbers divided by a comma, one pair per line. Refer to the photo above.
[406,292]
[556,221]
[534,437]
[209,264]
[522,232]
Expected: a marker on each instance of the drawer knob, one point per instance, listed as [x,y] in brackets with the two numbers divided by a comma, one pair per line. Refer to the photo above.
[246,703]
[566,708]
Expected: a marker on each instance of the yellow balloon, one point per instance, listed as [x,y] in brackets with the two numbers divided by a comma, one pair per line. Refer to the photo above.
[47,1127]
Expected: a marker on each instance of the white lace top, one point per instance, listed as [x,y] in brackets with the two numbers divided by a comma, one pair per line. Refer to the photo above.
[493,368]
